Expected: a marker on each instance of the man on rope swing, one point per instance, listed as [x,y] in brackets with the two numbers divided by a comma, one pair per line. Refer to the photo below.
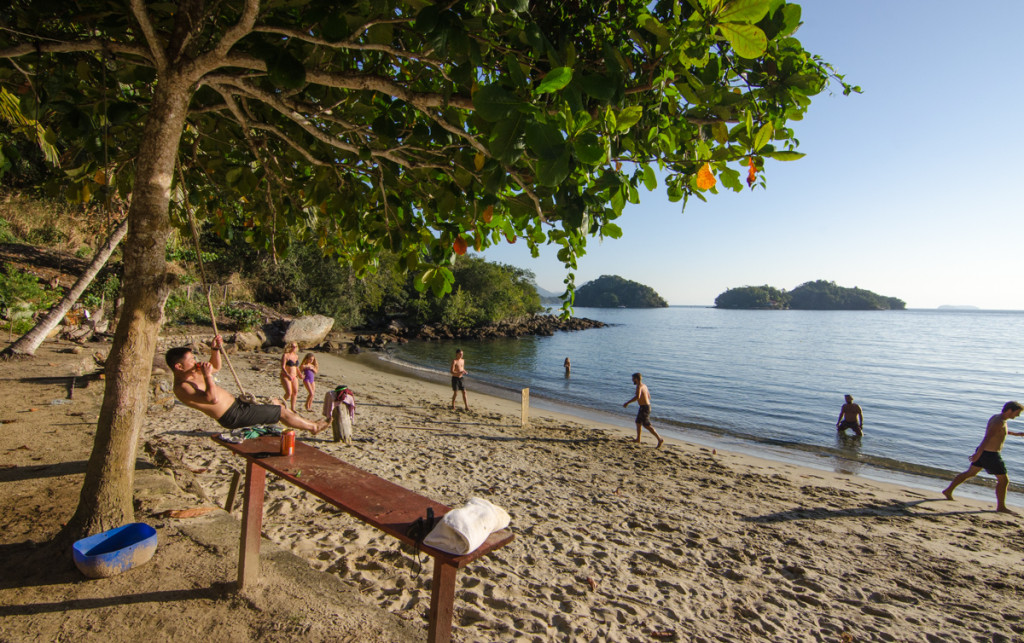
[194,386]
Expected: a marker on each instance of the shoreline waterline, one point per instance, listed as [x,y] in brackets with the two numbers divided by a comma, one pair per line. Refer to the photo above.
[814,457]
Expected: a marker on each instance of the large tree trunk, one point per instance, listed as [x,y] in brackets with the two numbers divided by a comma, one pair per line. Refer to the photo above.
[30,341]
[106,498]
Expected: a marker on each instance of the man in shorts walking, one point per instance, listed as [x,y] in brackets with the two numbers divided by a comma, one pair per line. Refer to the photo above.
[458,371]
[643,416]
[987,457]
[195,388]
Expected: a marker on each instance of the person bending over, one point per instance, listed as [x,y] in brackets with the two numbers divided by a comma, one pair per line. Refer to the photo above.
[987,456]
[195,387]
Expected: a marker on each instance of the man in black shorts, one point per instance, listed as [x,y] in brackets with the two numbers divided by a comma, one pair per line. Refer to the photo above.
[987,456]
[195,387]
[643,416]
[851,417]
[458,371]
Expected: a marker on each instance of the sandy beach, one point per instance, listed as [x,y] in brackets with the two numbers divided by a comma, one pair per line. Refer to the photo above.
[622,542]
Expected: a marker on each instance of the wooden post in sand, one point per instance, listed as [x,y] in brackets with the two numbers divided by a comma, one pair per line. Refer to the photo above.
[526,407]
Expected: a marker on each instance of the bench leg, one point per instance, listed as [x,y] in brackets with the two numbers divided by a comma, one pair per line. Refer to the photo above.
[252,525]
[229,504]
[442,603]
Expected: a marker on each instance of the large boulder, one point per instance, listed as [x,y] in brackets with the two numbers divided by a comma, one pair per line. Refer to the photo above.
[247,341]
[308,332]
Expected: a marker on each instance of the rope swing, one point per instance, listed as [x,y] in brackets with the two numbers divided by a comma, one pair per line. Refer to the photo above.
[243,395]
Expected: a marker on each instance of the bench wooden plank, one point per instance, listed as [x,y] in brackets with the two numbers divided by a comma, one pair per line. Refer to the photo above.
[370,498]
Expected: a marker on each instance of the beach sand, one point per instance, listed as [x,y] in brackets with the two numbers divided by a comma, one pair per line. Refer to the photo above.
[617,541]
[623,542]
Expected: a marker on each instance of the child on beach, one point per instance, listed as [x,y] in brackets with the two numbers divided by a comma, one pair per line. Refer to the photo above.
[194,386]
[643,416]
[309,368]
[987,457]
[458,371]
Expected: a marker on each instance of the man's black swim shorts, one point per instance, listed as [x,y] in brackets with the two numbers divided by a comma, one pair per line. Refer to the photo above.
[243,414]
[991,462]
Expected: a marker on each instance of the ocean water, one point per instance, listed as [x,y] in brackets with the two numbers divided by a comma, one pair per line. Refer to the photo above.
[928,380]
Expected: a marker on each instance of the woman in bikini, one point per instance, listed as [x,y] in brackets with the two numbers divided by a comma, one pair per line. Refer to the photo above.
[290,373]
[309,368]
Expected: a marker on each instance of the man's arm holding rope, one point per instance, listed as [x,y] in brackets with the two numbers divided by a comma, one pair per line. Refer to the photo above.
[216,346]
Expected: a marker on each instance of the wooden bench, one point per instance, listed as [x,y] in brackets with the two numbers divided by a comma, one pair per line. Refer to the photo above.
[370,498]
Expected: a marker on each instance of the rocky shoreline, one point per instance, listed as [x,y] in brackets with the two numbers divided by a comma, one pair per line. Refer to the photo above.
[540,325]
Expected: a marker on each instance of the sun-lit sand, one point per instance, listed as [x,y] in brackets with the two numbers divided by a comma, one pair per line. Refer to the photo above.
[620,542]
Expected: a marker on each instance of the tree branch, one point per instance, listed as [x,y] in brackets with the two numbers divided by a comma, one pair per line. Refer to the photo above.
[156,48]
[63,47]
[350,43]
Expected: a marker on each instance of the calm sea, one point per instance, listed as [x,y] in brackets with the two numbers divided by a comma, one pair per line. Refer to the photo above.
[774,381]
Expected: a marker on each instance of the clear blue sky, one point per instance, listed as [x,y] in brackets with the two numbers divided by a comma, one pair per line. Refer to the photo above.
[911,189]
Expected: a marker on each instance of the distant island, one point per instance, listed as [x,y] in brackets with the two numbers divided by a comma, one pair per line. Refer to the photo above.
[952,307]
[611,291]
[813,295]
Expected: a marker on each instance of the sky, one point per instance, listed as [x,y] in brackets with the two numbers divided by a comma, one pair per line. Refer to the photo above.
[911,189]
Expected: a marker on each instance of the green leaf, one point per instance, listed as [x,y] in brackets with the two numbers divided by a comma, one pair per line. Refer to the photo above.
[744,11]
[651,24]
[650,179]
[785,155]
[494,102]
[555,79]
[589,149]
[611,231]
[763,136]
[628,117]
[515,5]
[505,136]
[748,41]
[720,131]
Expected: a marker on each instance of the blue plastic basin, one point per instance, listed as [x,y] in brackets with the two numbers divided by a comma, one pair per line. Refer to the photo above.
[115,550]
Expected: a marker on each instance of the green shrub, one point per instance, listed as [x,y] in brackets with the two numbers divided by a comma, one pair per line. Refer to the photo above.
[244,318]
[183,309]
[103,290]
[21,290]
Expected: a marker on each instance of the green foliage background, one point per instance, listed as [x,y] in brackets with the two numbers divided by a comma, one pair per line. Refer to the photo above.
[612,291]
[812,295]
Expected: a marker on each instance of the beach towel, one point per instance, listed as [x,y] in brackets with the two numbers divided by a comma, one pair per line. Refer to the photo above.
[341,396]
[464,529]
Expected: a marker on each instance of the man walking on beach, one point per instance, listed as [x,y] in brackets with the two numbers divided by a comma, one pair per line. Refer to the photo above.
[851,417]
[195,387]
[458,371]
[643,416]
[987,457]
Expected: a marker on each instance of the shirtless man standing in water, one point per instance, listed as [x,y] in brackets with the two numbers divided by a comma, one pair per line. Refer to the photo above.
[987,457]
[643,416]
[851,417]
[195,387]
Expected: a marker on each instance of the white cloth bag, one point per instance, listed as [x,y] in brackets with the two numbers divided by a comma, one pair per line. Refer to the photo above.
[464,529]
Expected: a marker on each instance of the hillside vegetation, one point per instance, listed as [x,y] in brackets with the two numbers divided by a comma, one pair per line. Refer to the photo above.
[812,295]
[44,245]
[612,291]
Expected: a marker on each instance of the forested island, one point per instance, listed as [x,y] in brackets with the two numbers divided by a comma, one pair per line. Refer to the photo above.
[812,295]
[612,291]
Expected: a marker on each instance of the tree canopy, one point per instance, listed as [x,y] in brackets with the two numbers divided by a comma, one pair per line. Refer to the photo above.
[612,291]
[812,295]
[405,126]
